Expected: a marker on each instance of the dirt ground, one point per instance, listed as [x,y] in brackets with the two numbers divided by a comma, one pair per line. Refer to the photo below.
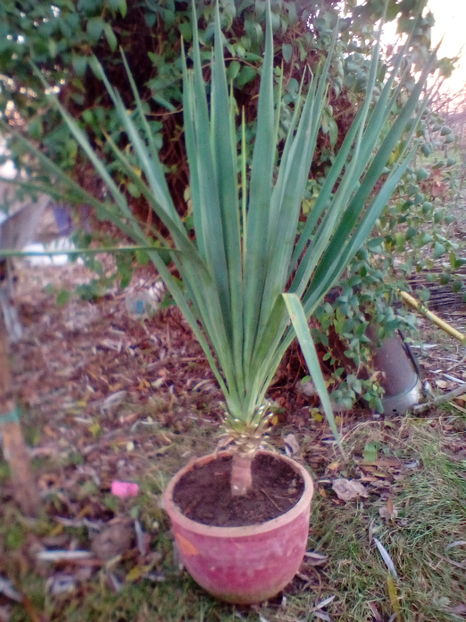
[94,376]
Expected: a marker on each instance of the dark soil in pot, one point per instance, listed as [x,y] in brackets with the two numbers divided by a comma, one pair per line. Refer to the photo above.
[203,494]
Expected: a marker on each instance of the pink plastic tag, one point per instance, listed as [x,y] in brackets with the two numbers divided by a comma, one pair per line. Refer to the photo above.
[124,489]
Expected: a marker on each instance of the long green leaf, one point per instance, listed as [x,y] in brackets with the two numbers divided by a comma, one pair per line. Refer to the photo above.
[260,192]
[300,325]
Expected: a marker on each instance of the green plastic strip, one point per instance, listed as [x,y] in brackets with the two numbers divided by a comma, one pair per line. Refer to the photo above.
[10,417]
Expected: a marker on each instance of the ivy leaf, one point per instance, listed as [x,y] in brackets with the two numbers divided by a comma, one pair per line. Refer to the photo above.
[455,261]
[35,128]
[95,27]
[63,297]
[185,31]
[150,18]
[122,7]
[111,37]
[79,64]
[134,190]
[330,128]
[52,48]
[118,5]
[78,98]
[287,52]
[332,132]
[439,250]
[247,74]
[370,453]
[233,70]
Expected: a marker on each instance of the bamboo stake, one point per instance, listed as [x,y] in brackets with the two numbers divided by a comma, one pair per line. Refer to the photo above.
[14,447]
[413,302]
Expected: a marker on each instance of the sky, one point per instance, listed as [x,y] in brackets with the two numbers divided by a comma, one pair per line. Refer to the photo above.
[450,24]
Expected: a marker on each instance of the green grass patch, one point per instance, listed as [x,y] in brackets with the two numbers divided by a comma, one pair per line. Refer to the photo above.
[425,540]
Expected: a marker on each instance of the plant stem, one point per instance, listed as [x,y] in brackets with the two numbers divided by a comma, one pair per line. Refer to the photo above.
[241,474]
[14,448]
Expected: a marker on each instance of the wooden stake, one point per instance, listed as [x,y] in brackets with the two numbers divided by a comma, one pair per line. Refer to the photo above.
[415,304]
[14,447]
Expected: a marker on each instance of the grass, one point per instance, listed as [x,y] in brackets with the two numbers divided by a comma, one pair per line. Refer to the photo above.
[434,522]
[431,517]
[425,541]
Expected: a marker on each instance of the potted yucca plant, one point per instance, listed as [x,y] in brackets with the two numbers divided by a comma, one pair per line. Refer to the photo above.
[250,278]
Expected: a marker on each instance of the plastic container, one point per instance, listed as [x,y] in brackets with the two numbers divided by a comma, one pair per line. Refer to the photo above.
[401,381]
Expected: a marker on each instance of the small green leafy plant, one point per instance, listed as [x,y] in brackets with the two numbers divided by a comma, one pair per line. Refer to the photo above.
[254,273]
[408,244]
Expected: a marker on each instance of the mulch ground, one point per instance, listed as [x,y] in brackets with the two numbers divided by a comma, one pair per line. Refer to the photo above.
[98,381]
[107,396]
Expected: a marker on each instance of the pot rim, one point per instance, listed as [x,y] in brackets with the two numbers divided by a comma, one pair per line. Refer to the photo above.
[181,520]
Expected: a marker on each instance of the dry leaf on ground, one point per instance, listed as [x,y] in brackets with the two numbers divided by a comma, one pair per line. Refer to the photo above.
[388,511]
[114,540]
[348,489]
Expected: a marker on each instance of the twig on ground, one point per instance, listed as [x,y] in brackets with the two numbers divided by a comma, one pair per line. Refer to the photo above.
[440,399]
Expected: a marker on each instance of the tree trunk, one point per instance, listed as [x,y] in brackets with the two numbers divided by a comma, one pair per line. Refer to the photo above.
[14,447]
[241,474]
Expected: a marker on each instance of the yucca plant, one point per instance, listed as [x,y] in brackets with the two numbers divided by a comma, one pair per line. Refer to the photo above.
[253,273]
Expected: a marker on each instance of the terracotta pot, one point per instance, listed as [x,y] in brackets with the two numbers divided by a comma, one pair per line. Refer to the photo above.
[243,565]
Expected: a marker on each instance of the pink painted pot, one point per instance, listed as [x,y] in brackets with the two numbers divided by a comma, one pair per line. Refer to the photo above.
[242,565]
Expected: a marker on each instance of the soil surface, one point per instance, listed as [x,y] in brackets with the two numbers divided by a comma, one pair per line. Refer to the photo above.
[204,494]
